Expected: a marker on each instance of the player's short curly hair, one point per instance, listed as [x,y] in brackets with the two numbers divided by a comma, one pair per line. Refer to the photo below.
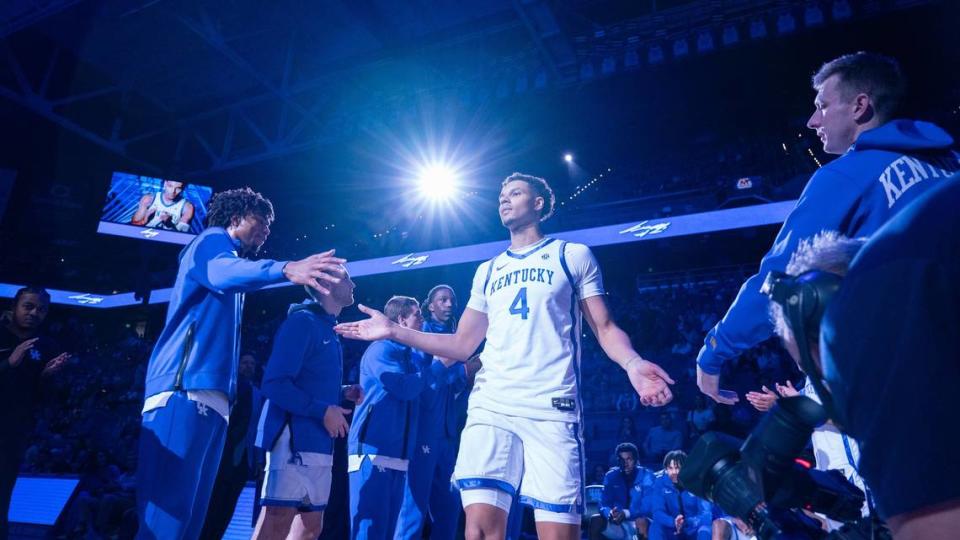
[39,291]
[540,188]
[627,447]
[674,456]
[238,203]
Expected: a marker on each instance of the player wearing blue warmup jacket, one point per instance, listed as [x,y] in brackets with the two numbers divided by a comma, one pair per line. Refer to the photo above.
[428,492]
[384,429]
[675,512]
[192,373]
[884,164]
[302,414]
[624,514]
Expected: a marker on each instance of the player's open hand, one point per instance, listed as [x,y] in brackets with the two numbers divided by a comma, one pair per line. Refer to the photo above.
[376,327]
[316,270]
[650,381]
[335,420]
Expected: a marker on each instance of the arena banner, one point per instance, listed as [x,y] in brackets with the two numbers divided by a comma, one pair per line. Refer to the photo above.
[633,231]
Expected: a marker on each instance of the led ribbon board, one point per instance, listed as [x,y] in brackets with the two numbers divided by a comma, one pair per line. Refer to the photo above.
[40,500]
[634,231]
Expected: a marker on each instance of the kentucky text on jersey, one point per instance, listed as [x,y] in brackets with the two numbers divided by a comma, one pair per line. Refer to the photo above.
[906,171]
[525,275]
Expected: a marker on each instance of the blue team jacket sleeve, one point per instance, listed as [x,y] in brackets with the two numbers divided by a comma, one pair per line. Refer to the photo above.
[386,367]
[612,488]
[216,266]
[823,205]
[289,349]
[660,514]
[640,502]
[705,516]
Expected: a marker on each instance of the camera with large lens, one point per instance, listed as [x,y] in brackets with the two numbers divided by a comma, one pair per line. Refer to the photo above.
[761,481]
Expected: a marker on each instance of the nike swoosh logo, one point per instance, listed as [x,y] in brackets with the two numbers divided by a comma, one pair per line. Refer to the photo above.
[499,268]
[326,341]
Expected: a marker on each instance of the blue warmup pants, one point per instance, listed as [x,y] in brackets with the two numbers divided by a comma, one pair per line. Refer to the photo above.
[180,447]
[428,494]
[376,494]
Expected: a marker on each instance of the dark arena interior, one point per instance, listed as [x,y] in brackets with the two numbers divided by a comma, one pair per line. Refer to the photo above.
[719,300]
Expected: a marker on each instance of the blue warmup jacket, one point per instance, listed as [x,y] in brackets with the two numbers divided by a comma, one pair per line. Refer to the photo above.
[385,423]
[301,380]
[627,494]
[440,415]
[886,169]
[667,502]
[199,346]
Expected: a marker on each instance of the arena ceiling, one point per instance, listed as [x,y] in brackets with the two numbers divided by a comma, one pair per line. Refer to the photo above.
[273,94]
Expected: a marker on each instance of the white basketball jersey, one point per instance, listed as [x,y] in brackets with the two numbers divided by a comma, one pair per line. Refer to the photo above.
[531,360]
[159,206]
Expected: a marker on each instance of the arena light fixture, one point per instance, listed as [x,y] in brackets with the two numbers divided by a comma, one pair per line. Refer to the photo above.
[568,157]
[437,182]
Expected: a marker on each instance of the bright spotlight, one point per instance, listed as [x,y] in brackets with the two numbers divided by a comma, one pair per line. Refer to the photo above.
[437,182]
[568,158]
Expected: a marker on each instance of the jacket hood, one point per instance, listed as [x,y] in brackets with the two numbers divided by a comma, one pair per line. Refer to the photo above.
[310,305]
[902,136]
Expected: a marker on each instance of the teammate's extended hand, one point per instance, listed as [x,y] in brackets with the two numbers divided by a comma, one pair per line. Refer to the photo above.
[20,350]
[650,381]
[763,401]
[787,390]
[314,269]
[56,364]
[335,420]
[376,327]
[710,385]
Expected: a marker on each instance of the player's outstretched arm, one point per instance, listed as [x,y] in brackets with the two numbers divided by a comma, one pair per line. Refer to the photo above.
[470,332]
[649,380]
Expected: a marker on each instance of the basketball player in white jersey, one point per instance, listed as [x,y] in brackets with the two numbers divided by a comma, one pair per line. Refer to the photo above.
[166,209]
[524,420]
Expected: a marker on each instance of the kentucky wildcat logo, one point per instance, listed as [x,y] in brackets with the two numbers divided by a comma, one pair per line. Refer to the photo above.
[409,260]
[642,229]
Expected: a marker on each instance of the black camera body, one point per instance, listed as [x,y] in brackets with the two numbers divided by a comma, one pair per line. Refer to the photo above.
[760,480]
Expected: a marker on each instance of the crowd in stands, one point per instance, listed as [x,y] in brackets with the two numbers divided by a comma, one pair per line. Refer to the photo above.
[89,422]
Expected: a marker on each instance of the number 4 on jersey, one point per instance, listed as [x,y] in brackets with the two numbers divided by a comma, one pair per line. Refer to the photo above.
[519,305]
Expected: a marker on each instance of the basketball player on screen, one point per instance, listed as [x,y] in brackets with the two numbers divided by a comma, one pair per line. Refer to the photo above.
[524,422]
[165,209]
